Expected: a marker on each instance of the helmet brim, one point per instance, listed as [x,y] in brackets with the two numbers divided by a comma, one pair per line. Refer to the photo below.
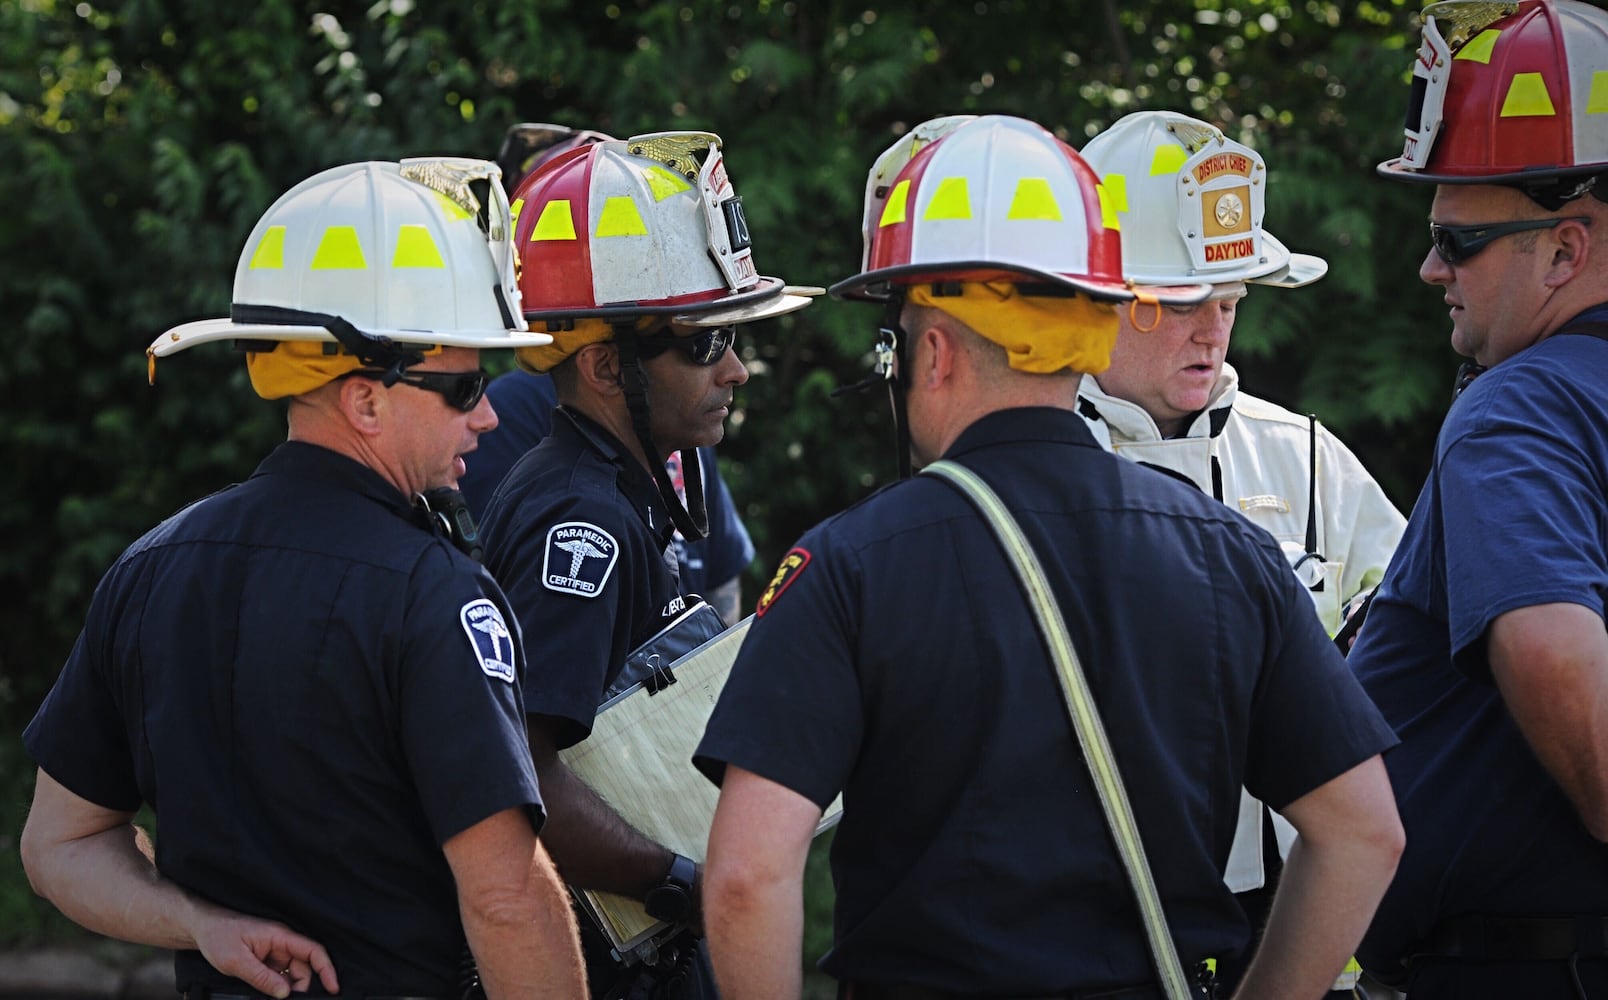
[878,285]
[187,335]
[1394,169]
[1302,269]
[769,297]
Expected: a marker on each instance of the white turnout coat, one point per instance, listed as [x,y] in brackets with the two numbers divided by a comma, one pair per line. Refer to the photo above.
[1256,456]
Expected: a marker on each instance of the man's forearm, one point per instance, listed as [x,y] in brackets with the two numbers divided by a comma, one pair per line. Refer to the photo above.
[525,940]
[754,882]
[592,845]
[108,883]
[1338,870]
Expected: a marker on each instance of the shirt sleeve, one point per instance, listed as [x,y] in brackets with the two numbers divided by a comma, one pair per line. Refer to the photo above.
[460,717]
[1523,514]
[791,711]
[79,736]
[1310,719]
[569,569]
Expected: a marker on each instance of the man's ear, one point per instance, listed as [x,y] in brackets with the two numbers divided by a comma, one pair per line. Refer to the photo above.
[1571,252]
[597,367]
[363,402]
[932,356]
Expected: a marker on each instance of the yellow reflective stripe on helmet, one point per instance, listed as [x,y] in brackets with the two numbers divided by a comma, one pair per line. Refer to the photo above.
[1527,97]
[1114,188]
[952,200]
[555,223]
[1033,199]
[1168,159]
[620,218]
[664,182]
[339,249]
[415,247]
[271,251]
[454,211]
[1113,192]
[1597,102]
[894,210]
[1479,47]
[513,210]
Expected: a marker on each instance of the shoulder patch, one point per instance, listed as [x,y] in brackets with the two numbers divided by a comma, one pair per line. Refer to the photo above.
[792,565]
[580,558]
[490,636]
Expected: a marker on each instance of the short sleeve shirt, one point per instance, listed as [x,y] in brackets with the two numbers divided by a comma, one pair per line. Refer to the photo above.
[313,694]
[1512,515]
[896,660]
[525,404]
[579,538]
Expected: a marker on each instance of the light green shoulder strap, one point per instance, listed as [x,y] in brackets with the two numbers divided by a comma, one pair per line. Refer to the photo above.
[1085,717]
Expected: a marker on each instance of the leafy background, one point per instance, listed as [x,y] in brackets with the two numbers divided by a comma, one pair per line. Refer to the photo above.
[139,142]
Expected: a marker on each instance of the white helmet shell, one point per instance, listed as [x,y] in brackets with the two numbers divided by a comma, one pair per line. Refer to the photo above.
[886,169]
[643,226]
[993,197]
[1191,201]
[398,250]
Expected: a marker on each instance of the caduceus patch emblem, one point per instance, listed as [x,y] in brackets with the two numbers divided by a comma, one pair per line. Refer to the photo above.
[580,558]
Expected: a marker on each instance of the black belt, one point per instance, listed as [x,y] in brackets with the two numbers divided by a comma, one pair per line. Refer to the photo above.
[1516,939]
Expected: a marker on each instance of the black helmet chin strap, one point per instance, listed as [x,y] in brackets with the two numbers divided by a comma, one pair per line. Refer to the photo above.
[691,520]
[371,350]
[890,362]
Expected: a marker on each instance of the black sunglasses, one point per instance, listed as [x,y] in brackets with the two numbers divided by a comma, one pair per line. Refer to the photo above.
[461,390]
[706,347]
[1456,244]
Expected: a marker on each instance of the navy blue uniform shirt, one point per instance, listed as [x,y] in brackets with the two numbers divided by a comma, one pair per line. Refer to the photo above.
[579,538]
[313,694]
[897,660]
[1511,516]
[525,404]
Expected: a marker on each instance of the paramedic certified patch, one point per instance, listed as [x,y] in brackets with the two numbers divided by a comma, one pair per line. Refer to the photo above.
[792,565]
[489,634]
[579,559]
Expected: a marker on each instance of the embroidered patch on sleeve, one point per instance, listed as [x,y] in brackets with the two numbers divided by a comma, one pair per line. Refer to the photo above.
[580,558]
[491,637]
[792,565]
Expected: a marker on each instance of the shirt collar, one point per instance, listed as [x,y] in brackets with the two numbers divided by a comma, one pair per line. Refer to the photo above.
[303,460]
[635,483]
[1028,424]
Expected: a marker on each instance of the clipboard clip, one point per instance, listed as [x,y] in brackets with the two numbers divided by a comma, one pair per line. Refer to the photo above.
[660,675]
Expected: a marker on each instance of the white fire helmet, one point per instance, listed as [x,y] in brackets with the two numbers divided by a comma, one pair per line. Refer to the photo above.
[992,198]
[1191,201]
[402,251]
[643,226]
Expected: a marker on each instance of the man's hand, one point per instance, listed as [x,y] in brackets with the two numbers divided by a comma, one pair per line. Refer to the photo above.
[267,956]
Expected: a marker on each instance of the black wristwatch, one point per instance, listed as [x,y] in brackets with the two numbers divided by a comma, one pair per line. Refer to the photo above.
[671,900]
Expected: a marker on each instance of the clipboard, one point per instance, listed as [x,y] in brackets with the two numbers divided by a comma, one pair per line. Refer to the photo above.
[639,759]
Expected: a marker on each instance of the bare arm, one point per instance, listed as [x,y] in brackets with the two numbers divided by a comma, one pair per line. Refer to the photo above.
[755,887]
[592,845]
[98,868]
[1342,862]
[516,913]
[1550,662]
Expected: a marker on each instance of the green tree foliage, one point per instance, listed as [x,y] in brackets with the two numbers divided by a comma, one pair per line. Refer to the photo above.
[140,142]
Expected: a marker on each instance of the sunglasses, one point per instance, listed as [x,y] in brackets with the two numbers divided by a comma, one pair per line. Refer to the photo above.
[461,390]
[1456,244]
[704,348]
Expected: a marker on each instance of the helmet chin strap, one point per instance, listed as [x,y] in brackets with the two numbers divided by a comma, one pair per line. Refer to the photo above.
[692,520]
[890,361]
